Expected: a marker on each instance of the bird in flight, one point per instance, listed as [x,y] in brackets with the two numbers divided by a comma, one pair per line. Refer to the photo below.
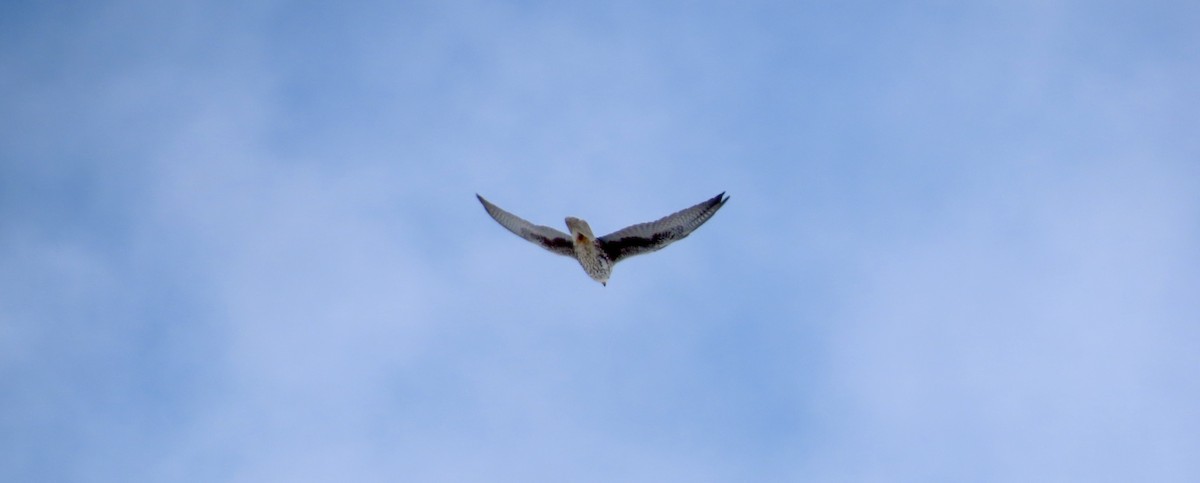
[597,255]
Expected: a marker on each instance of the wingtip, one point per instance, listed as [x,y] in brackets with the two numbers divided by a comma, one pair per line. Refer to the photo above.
[487,205]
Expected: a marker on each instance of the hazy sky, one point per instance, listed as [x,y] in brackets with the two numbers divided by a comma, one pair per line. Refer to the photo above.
[239,241]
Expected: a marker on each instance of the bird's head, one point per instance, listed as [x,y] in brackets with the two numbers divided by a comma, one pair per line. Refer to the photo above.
[580,231]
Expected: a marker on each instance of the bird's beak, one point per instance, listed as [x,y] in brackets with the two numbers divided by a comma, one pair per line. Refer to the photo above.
[604,284]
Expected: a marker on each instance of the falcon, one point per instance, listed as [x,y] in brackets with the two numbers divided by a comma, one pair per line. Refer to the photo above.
[597,255]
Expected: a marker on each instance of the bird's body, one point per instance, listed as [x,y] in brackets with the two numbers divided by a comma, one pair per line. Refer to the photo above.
[598,255]
[588,251]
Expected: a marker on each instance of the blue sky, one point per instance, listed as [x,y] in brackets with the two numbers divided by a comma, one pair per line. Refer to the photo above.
[239,241]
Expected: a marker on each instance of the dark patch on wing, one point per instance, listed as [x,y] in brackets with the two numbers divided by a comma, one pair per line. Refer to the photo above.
[554,244]
[633,245]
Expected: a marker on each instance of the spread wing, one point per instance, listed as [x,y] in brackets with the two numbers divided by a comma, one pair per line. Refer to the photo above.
[648,237]
[543,236]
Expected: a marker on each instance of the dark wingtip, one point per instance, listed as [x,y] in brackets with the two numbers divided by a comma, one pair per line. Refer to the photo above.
[487,205]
